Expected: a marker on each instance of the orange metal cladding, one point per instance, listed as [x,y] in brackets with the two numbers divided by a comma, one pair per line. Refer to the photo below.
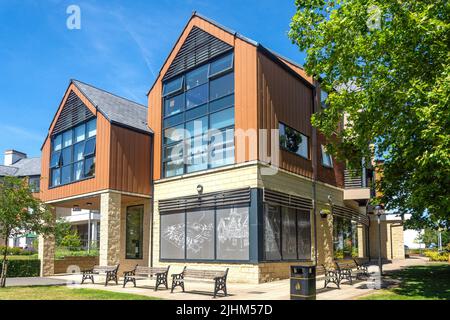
[122,160]
[285,98]
[245,87]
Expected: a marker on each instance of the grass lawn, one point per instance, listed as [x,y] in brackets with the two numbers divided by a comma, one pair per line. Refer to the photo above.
[64,293]
[430,282]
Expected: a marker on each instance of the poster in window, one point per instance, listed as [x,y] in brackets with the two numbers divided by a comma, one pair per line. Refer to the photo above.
[172,236]
[289,231]
[304,235]
[200,234]
[272,232]
[233,233]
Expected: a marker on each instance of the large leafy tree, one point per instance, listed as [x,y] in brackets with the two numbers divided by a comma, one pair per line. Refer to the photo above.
[20,213]
[385,65]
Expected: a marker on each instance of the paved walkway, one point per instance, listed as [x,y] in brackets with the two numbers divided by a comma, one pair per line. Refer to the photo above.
[276,290]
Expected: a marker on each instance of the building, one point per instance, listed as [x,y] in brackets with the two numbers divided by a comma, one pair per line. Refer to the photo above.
[231,173]
[17,164]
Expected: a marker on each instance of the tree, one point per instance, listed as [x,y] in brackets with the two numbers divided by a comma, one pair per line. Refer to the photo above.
[20,213]
[385,65]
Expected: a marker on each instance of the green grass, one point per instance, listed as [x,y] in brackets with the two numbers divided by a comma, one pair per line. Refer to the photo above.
[65,293]
[430,282]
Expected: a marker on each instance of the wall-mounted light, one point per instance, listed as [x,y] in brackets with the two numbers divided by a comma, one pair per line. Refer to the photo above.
[199,189]
[89,204]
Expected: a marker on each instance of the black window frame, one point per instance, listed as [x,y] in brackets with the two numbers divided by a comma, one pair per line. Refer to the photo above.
[308,157]
[141,232]
[183,120]
[280,218]
[214,236]
[60,165]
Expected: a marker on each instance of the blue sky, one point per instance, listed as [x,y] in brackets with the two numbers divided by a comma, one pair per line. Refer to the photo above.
[120,48]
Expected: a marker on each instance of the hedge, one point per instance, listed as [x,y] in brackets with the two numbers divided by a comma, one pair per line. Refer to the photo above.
[22,268]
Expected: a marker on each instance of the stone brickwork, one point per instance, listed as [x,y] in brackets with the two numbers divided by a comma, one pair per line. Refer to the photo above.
[110,228]
[46,255]
[392,243]
[69,264]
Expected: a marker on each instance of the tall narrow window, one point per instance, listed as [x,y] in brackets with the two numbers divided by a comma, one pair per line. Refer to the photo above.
[134,232]
[327,161]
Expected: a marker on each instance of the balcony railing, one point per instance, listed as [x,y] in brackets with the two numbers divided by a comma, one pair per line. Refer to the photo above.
[359,184]
[353,179]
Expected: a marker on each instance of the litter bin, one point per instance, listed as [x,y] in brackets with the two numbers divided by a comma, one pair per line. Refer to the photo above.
[303,283]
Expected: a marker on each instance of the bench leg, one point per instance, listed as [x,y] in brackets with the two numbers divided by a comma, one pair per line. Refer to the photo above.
[126,280]
[177,283]
[220,285]
[87,277]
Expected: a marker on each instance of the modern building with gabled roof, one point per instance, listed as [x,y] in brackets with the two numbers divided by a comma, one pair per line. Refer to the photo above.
[97,156]
[231,174]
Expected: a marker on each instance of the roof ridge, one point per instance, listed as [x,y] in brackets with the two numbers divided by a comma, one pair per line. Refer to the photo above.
[110,93]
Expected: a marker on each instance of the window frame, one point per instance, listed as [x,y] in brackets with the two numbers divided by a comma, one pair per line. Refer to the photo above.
[141,232]
[183,120]
[323,153]
[59,166]
[298,212]
[214,236]
[303,135]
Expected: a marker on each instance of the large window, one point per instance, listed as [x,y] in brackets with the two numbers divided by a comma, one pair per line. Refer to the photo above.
[134,232]
[287,234]
[73,154]
[198,119]
[210,234]
[345,238]
[293,141]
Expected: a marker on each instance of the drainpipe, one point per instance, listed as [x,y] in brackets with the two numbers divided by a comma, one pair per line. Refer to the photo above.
[314,167]
[152,189]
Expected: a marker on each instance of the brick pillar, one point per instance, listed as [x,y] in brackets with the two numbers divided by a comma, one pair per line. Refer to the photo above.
[46,252]
[110,204]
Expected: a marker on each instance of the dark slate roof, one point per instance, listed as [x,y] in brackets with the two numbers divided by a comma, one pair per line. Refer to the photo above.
[7,171]
[23,168]
[28,167]
[116,109]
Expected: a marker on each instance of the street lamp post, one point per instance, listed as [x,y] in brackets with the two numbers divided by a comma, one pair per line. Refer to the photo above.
[379,210]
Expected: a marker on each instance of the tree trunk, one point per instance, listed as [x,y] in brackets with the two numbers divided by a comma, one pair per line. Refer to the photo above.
[4,265]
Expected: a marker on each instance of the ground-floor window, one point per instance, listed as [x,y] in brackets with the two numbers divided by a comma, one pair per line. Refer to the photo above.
[206,234]
[287,233]
[134,232]
[345,238]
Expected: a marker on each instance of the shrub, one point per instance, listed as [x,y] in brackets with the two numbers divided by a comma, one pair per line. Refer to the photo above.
[22,268]
[71,241]
[15,251]
[436,256]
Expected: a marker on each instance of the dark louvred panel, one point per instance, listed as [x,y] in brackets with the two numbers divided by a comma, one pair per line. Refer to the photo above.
[198,48]
[350,214]
[209,200]
[287,200]
[74,112]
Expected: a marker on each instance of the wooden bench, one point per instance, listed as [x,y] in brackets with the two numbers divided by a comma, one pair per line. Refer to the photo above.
[110,273]
[362,265]
[348,269]
[141,273]
[219,277]
[331,275]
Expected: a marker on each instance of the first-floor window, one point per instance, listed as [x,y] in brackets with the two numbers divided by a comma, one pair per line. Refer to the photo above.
[287,233]
[345,238]
[207,234]
[327,160]
[134,232]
